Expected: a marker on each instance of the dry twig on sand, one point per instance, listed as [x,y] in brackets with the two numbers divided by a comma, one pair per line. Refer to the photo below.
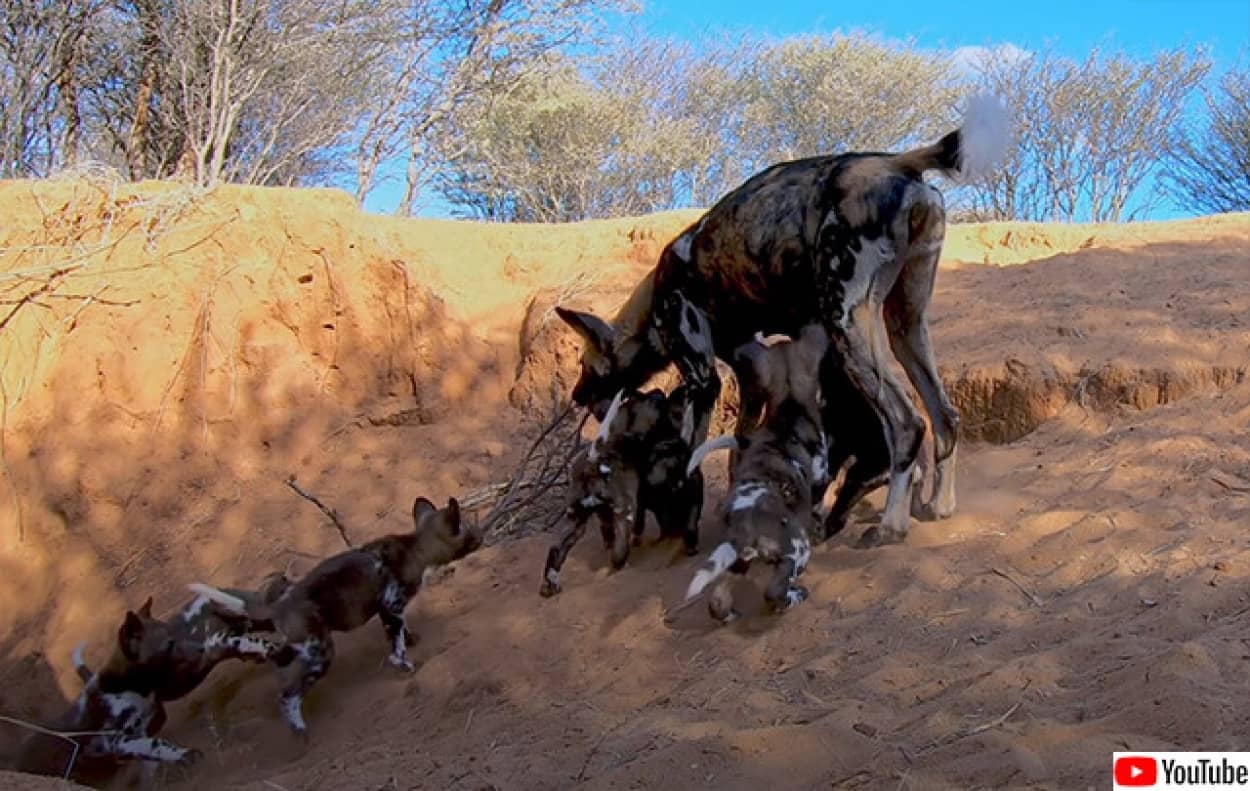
[329,512]
[964,733]
[533,497]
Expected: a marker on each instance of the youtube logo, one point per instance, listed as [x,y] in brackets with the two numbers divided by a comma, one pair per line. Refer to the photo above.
[1136,771]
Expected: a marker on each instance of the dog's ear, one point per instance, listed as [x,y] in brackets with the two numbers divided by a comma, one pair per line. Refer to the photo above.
[594,330]
[146,610]
[130,636]
[694,326]
[452,514]
[421,508]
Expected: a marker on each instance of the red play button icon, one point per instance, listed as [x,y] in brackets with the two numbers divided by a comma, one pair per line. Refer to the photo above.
[1136,770]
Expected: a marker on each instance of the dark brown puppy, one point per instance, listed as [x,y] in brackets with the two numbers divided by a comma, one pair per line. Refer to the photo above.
[200,636]
[636,463]
[768,513]
[116,717]
[344,592]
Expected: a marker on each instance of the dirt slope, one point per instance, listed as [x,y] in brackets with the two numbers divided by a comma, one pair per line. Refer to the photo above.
[1092,586]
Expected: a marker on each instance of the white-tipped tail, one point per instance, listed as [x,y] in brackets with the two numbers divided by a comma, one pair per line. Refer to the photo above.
[984,136]
[717,564]
[605,425]
[711,446]
[232,603]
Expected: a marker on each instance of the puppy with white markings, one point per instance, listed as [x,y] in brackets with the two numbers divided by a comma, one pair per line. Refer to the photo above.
[116,717]
[636,463]
[780,465]
[200,636]
[344,592]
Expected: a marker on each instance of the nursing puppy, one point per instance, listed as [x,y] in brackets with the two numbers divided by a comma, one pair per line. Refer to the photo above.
[116,716]
[636,463]
[780,466]
[344,592]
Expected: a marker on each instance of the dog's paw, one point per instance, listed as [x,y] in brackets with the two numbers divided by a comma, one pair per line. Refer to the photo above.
[796,595]
[401,663]
[549,589]
[729,617]
[876,537]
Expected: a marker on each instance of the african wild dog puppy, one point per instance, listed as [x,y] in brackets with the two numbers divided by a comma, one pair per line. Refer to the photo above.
[636,463]
[769,509]
[202,635]
[345,591]
[118,713]
[848,241]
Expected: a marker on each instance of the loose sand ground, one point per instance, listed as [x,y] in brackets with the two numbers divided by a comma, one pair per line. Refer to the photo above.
[181,355]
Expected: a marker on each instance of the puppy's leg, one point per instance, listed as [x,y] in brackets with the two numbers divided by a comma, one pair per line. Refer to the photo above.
[556,556]
[782,592]
[720,602]
[150,748]
[391,613]
[625,520]
[313,656]
[691,498]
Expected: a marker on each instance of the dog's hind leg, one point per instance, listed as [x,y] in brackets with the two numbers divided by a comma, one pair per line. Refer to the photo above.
[556,556]
[865,475]
[391,614]
[906,315]
[720,602]
[862,340]
[313,656]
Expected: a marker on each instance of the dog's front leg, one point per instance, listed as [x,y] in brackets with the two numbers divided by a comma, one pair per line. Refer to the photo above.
[577,514]
[150,748]
[391,613]
[782,592]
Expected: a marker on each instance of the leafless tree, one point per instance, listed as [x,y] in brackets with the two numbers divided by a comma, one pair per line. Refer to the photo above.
[1091,134]
[1209,170]
[41,45]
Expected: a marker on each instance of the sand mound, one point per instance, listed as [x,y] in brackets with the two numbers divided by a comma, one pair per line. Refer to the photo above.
[171,358]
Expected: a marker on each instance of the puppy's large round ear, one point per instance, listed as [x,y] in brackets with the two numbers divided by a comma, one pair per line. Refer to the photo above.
[421,508]
[130,636]
[146,610]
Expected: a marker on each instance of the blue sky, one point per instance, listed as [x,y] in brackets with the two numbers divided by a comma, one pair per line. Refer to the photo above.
[1137,27]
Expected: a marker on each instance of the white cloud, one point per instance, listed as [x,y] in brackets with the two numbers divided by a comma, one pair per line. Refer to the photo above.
[968,60]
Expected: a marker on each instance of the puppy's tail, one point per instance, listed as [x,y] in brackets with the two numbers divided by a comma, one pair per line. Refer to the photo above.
[80,664]
[717,564]
[222,599]
[711,446]
[974,149]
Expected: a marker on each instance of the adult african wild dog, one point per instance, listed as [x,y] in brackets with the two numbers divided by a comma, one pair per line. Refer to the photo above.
[781,463]
[636,463]
[850,241]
